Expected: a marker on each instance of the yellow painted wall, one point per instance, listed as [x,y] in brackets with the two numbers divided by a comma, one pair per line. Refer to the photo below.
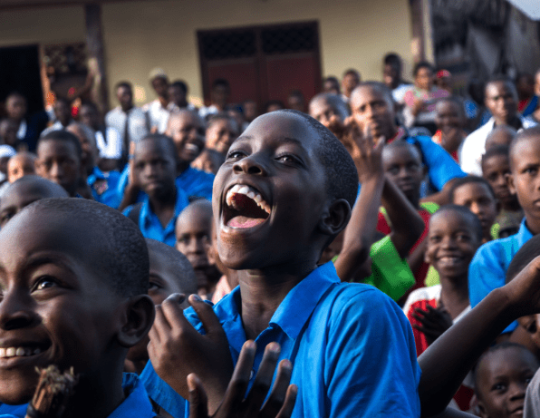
[42,26]
[142,35]
[353,33]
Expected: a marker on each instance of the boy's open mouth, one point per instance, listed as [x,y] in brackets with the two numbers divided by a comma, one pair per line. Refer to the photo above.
[244,207]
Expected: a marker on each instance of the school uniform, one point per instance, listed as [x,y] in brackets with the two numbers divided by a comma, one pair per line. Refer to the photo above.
[135,404]
[351,346]
[149,223]
[474,146]
[103,187]
[487,270]
[132,126]
[157,115]
[195,183]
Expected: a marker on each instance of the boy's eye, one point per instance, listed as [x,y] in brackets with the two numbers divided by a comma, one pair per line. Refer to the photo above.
[235,155]
[499,387]
[44,282]
[287,158]
[153,286]
[435,238]
[463,237]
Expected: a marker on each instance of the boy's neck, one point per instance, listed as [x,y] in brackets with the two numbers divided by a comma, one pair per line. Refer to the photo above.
[455,294]
[533,225]
[163,207]
[263,291]
[96,399]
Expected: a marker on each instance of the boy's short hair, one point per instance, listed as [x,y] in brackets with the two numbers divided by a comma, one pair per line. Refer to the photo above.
[340,170]
[393,60]
[125,84]
[465,211]
[380,87]
[497,347]
[164,138]
[65,136]
[216,117]
[496,150]
[181,84]
[468,180]
[522,135]
[405,144]
[458,101]
[331,78]
[177,261]
[351,71]
[422,64]
[335,101]
[527,253]
[121,248]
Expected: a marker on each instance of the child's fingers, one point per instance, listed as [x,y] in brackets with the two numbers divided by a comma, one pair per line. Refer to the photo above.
[161,327]
[279,391]
[290,400]
[198,400]
[263,380]
[173,312]
[240,379]
[208,317]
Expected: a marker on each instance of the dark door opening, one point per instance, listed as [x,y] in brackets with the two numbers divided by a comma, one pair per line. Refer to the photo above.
[20,71]
[262,63]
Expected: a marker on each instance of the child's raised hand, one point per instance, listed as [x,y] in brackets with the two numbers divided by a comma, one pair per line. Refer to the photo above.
[280,403]
[366,152]
[176,349]
[435,321]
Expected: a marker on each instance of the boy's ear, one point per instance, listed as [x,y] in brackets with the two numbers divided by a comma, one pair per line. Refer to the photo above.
[510,183]
[481,409]
[335,219]
[137,321]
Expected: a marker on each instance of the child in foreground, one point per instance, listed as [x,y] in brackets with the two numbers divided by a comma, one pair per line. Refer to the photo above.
[501,378]
[305,184]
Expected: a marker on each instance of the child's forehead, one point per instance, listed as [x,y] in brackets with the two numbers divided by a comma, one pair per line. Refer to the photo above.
[278,127]
[404,152]
[53,146]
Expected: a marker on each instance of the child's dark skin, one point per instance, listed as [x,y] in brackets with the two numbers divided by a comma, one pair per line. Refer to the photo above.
[288,174]
[21,193]
[502,377]
[62,112]
[452,242]
[524,179]
[59,162]
[450,119]
[479,199]
[46,271]
[501,100]
[164,281]
[193,235]
[495,170]
[155,169]
[501,135]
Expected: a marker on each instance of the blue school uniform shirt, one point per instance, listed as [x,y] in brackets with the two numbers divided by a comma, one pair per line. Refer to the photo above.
[440,165]
[136,403]
[488,266]
[104,186]
[149,223]
[351,346]
[195,183]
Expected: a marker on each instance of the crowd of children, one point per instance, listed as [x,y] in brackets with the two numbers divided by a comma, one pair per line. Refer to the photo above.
[372,252]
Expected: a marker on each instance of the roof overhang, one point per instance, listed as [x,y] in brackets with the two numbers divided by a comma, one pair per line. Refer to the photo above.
[531,8]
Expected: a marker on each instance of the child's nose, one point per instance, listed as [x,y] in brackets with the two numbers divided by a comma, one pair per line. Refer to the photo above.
[249,165]
[15,312]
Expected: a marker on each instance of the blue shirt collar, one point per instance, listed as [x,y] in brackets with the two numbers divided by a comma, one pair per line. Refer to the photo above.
[524,234]
[292,313]
[137,403]
[181,202]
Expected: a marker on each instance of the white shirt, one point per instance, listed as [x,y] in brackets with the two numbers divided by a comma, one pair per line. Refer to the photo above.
[21,133]
[157,114]
[474,146]
[210,110]
[399,92]
[138,122]
[113,147]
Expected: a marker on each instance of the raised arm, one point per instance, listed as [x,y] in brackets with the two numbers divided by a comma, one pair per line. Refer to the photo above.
[361,229]
[448,360]
[407,225]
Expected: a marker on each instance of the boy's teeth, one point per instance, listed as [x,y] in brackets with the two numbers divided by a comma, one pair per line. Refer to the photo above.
[18,352]
[249,192]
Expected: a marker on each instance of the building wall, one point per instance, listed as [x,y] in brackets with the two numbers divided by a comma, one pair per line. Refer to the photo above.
[141,35]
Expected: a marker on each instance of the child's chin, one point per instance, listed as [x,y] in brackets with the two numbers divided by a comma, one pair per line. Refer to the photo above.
[18,392]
